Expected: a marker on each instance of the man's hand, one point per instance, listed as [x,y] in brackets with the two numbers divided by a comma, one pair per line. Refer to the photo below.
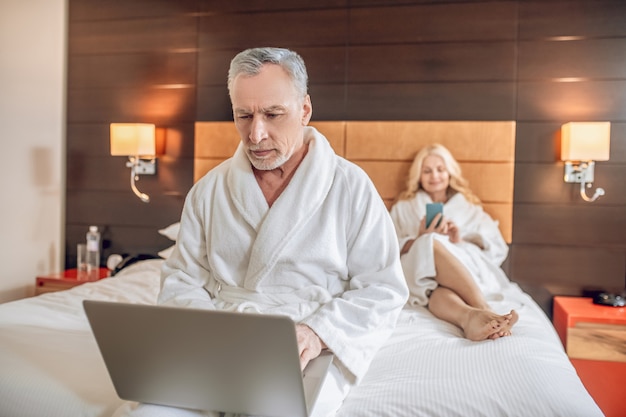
[309,344]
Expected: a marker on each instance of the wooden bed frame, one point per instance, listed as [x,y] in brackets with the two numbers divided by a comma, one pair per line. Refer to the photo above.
[385,150]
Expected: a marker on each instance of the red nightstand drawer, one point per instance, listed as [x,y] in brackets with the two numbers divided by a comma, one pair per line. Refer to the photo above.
[63,280]
[594,337]
[590,331]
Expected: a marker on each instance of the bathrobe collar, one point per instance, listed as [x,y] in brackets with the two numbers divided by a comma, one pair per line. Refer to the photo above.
[278,225]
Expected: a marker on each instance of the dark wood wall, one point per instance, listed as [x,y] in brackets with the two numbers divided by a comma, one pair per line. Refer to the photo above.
[540,63]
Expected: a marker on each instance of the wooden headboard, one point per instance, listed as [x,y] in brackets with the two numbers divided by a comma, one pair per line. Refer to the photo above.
[385,150]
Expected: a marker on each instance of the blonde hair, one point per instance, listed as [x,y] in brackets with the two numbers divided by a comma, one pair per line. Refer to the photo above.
[457,182]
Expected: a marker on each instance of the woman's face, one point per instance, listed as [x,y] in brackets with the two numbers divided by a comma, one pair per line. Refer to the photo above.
[435,177]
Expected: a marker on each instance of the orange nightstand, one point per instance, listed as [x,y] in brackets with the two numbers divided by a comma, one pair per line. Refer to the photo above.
[63,280]
[594,337]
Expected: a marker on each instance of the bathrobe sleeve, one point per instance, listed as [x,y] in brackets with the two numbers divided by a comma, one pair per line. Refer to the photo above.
[478,227]
[355,324]
[186,278]
[406,220]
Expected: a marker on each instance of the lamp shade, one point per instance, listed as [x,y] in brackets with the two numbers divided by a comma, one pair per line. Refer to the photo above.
[585,141]
[132,139]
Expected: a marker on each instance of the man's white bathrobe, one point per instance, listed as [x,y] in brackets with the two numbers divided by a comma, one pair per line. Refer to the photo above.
[325,253]
[482,248]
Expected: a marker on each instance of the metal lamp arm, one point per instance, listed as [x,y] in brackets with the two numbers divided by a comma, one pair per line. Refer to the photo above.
[583,193]
[132,163]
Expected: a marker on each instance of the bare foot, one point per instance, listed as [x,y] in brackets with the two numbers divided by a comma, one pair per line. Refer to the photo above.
[485,324]
[506,330]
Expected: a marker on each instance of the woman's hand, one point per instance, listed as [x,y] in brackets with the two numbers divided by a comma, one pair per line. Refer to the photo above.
[453,232]
[433,228]
[407,246]
[444,227]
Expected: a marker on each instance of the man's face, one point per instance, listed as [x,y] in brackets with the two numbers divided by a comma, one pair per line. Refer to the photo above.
[270,116]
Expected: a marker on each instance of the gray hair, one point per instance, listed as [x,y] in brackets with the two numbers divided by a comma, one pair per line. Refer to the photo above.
[250,61]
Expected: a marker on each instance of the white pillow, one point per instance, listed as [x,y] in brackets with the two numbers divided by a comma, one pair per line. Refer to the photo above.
[171,231]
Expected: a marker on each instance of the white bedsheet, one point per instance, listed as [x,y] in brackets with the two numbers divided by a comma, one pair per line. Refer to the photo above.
[50,365]
[428,369]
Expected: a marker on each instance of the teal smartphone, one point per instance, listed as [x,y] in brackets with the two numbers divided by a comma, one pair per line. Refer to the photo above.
[432,209]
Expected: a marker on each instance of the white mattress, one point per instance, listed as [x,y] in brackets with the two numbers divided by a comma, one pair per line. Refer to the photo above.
[50,365]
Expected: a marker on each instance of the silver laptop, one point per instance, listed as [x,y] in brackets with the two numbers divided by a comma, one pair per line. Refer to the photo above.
[205,359]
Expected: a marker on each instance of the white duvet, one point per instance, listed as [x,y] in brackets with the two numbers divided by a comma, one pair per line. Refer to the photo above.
[50,365]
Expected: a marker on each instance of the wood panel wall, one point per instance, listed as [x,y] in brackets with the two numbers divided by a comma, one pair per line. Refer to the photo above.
[539,63]
[128,61]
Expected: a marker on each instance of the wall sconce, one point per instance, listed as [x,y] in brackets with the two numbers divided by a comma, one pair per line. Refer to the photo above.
[582,143]
[137,141]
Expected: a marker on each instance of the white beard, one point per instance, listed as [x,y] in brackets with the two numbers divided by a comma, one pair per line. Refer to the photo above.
[270,164]
[267,164]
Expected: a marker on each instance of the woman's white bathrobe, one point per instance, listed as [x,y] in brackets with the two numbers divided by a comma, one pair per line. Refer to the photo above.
[325,253]
[482,248]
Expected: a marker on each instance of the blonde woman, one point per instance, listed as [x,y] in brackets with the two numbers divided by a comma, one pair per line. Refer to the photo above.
[453,265]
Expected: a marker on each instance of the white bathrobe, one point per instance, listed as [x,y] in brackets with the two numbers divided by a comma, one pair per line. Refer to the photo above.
[482,248]
[325,253]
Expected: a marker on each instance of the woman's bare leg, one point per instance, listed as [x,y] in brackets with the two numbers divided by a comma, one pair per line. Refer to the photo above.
[459,301]
[452,274]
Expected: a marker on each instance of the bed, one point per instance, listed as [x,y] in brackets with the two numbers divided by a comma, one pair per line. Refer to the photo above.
[51,366]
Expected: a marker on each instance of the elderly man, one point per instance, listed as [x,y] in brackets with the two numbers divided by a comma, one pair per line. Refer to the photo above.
[287,227]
